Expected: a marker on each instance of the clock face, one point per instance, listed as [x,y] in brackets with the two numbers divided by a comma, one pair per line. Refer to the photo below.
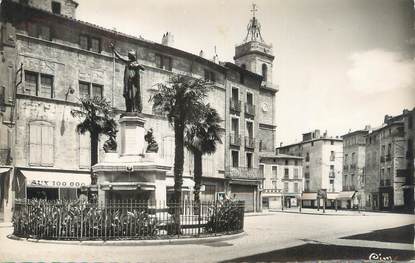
[265,107]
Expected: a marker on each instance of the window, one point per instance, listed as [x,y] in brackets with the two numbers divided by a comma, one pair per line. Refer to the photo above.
[274,184]
[249,98]
[307,185]
[83,41]
[249,160]
[274,172]
[286,187]
[307,157]
[163,62]
[41,144]
[235,159]
[345,180]
[346,159]
[261,170]
[331,142]
[264,71]
[295,173]
[296,163]
[2,96]
[331,168]
[90,90]
[37,84]
[332,156]
[210,75]
[56,7]
[39,31]
[353,158]
[312,144]
[296,188]
[389,172]
[286,173]
[90,43]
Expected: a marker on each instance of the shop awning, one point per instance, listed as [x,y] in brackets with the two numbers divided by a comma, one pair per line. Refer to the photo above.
[188,184]
[47,179]
[332,196]
[309,196]
[4,170]
[346,195]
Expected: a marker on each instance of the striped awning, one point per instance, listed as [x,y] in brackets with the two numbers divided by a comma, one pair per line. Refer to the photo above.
[309,196]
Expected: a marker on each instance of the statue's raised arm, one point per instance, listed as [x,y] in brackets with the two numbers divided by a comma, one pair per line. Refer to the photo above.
[118,55]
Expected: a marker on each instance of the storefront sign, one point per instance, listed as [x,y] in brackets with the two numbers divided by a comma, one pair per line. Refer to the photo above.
[54,183]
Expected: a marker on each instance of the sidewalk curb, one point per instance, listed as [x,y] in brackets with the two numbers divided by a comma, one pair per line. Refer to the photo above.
[176,241]
[318,214]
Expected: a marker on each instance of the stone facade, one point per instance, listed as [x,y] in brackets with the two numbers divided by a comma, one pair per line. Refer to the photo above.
[48,58]
[283,180]
[389,164]
[354,163]
[322,163]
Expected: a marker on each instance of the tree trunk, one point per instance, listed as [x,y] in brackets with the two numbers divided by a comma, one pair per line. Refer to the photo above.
[178,170]
[197,170]
[94,155]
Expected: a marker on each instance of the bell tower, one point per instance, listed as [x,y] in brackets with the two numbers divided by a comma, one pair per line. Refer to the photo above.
[254,54]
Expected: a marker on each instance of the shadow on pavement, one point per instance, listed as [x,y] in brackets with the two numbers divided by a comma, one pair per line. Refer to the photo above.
[403,234]
[313,252]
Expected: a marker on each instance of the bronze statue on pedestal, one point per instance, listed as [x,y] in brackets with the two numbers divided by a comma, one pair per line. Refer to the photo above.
[131,92]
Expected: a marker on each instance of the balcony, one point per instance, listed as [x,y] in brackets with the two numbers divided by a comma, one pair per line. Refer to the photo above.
[235,140]
[244,173]
[5,156]
[250,109]
[332,174]
[249,142]
[235,105]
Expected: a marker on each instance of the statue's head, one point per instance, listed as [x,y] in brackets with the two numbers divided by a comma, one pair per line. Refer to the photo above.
[132,55]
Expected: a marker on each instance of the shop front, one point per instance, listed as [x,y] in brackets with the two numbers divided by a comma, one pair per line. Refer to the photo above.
[50,185]
[4,190]
[309,200]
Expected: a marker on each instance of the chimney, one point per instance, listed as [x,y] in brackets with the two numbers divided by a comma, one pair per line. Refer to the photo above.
[316,134]
[367,128]
[201,54]
[387,118]
[168,39]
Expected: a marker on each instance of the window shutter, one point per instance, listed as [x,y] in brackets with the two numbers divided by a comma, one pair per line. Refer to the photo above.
[84,150]
[47,146]
[35,144]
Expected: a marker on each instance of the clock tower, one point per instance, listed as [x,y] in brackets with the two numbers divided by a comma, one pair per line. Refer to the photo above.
[254,54]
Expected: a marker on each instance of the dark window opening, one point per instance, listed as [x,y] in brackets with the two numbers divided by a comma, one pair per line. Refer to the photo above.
[90,43]
[56,7]
[164,62]
[235,159]
[249,160]
[38,84]
[264,71]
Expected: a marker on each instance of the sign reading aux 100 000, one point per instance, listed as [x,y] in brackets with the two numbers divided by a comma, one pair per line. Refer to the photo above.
[51,183]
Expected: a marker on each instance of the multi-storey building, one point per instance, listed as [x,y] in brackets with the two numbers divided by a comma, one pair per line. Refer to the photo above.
[322,163]
[49,59]
[283,180]
[389,173]
[354,149]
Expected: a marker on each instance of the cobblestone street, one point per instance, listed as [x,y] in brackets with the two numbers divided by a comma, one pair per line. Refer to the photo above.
[264,233]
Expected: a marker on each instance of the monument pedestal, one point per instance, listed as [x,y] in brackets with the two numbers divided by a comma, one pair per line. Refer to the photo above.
[132,174]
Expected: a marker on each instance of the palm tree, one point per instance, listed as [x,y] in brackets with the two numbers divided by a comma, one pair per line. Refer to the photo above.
[201,139]
[96,118]
[181,99]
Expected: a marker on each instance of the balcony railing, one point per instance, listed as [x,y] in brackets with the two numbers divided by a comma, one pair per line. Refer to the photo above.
[5,156]
[250,109]
[244,173]
[235,139]
[249,142]
[235,105]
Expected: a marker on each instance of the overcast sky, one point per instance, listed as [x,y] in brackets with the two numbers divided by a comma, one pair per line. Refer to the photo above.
[339,64]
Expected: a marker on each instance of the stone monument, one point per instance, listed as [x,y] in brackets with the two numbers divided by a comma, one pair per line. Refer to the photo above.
[134,171]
